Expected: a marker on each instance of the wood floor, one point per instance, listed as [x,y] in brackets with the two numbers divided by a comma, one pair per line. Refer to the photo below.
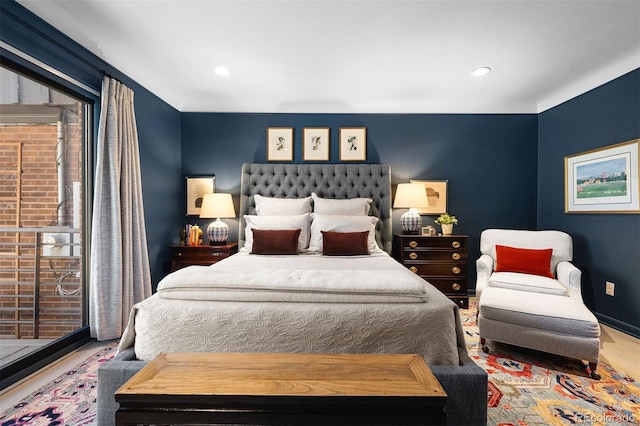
[618,349]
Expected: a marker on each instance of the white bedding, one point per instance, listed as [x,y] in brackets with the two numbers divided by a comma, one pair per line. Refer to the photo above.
[362,304]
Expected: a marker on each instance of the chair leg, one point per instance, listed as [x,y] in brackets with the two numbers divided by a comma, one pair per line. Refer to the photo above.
[591,370]
[483,342]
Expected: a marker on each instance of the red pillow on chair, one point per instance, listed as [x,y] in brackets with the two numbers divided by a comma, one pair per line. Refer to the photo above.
[524,261]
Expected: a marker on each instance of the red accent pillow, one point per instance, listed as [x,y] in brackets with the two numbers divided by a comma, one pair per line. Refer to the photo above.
[275,241]
[525,261]
[345,243]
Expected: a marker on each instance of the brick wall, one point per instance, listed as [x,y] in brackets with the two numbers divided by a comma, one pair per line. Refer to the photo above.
[60,299]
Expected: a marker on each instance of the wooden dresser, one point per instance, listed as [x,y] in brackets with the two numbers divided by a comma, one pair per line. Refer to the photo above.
[441,260]
[205,255]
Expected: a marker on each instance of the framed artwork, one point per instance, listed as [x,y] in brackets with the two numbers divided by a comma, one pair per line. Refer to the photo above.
[315,144]
[280,144]
[436,194]
[196,187]
[353,144]
[603,180]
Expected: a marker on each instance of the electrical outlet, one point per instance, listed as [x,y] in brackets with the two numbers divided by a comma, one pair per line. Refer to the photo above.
[609,288]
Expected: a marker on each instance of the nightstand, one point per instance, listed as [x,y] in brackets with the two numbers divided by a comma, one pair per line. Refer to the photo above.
[182,256]
[439,259]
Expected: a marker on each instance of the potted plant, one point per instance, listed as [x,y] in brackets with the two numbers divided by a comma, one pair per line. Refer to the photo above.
[446,221]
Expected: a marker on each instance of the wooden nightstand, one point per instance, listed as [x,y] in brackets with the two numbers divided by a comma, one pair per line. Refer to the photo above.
[182,256]
[441,260]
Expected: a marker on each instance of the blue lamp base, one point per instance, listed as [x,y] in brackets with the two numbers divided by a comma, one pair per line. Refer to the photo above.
[218,232]
[411,222]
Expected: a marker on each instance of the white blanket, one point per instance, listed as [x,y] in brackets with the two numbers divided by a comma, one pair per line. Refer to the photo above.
[304,278]
[426,323]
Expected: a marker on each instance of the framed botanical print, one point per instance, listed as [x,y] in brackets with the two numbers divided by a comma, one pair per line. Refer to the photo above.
[315,144]
[280,144]
[603,180]
[353,144]
[196,188]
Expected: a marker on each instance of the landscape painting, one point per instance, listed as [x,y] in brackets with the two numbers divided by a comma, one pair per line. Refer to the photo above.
[603,180]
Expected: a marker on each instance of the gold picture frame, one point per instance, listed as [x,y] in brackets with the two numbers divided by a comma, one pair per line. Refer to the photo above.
[280,144]
[603,180]
[315,144]
[353,144]
[195,189]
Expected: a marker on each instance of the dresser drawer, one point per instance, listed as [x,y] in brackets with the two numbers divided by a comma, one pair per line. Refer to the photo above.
[434,255]
[435,242]
[448,269]
[450,286]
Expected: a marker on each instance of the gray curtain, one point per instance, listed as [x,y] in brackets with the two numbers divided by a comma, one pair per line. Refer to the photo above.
[120,274]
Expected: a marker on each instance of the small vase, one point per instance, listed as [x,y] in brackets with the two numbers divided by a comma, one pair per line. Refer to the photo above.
[447,229]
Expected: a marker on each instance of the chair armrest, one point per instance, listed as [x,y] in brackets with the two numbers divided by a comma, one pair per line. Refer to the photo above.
[484,269]
[570,276]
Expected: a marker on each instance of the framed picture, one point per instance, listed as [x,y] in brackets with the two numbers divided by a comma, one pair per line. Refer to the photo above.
[280,144]
[353,144]
[436,194]
[603,180]
[196,187]
[315,144]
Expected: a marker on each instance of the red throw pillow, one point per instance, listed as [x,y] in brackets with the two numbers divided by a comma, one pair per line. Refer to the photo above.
[525,261]
[275,241]
[345,243]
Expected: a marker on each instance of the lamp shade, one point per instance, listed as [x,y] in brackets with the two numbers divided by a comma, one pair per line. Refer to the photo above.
[217,205]
[411,195]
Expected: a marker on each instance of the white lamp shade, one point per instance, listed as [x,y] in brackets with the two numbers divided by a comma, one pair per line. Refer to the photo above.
[411,195]
[217,205]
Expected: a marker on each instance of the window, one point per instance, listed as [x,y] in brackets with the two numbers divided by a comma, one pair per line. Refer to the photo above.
[45,141]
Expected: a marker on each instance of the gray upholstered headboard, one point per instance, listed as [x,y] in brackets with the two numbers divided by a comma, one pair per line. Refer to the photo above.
[326,180]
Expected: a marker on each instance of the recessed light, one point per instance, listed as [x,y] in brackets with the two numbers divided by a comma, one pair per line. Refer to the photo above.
[220,70]
[479,72]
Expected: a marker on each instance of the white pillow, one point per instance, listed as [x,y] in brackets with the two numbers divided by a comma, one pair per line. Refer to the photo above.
[269,206]
[273,223]
[342,223]
[346,206]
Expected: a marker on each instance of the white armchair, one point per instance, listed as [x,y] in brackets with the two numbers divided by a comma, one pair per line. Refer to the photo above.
[534,311]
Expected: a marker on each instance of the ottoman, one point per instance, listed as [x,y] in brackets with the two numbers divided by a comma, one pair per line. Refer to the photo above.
[550,323]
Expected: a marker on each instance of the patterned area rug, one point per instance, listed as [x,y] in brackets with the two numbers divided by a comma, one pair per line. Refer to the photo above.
[68,400]
[528,387]
[525,388]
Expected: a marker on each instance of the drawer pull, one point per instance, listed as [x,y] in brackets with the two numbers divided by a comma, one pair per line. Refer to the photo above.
[455,256]
[455,270]
[413,269]
[413,244]
[413,255]
[216,254]
[455,286]
[180,254]
[455,244]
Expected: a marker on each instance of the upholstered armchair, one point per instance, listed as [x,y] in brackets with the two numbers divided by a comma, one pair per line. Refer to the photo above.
[529,295]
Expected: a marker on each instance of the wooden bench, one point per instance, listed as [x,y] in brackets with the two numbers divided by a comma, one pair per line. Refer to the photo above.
[263,388]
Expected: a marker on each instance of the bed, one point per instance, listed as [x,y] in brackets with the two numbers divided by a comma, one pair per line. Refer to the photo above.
[356,300]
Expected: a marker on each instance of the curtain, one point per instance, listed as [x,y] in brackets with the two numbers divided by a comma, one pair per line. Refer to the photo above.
[120,275]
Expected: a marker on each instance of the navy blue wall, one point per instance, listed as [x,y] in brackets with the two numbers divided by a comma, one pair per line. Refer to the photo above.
[490,161]
[606,246]
[158,123]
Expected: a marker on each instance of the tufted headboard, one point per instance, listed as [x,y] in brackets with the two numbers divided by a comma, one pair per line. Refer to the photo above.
[326,180]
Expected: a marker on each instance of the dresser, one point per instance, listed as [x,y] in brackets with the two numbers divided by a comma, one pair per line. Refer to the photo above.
[182,256]
[441,260]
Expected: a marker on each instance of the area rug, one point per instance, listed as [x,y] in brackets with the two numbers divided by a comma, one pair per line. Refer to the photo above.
[68,400]
[526,388]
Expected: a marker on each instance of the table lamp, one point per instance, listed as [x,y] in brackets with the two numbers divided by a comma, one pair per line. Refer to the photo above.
[411,196]
[217,205]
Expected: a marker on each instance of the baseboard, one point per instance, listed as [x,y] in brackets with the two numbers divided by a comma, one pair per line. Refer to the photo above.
[619,325]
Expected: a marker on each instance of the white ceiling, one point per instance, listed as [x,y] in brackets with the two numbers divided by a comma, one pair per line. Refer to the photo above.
[358,56]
